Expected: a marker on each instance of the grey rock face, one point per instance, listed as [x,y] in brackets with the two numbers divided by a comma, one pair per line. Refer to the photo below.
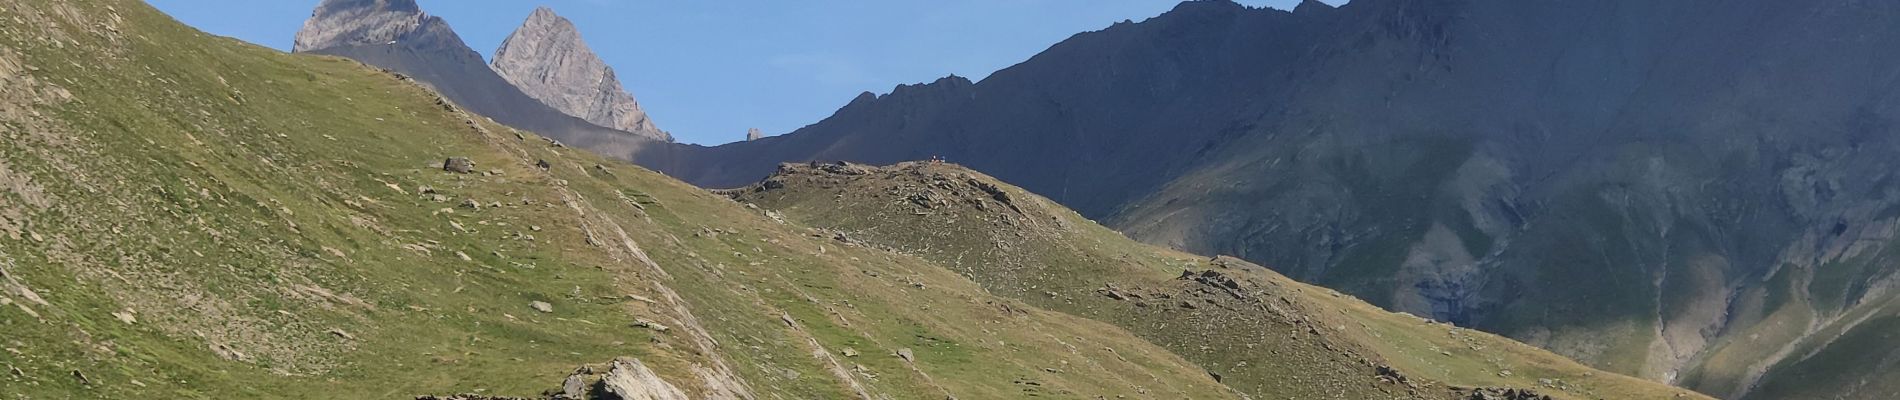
[460,165]
[632,380]
[398,36]
[753,134]
[548,60]
[344,23]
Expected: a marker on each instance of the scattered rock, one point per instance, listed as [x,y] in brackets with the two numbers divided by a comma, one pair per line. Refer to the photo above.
[907,355]
[1391,375]
[228,353]
[575,387]
[1116,293]
[342,334]
[460,165]
[842,238]
[995,193]
[1504,394]
[849,352]
[471,203]
[1215,279]
[126,317]
[543,165]
[649,324]
[541,306]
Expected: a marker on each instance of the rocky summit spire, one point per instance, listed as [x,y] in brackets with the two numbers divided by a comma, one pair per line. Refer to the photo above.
[754,134]
[349,23]
[547,59]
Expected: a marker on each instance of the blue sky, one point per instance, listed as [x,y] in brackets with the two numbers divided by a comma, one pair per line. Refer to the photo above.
[708,70]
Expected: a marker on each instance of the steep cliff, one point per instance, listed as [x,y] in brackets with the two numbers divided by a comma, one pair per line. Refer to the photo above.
[397,35]
[548,61]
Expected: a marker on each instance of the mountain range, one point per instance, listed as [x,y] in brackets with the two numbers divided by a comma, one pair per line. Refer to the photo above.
[573,95]
[190,216]
[1696,193]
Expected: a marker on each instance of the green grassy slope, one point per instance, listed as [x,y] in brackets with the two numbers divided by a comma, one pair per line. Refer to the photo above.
[1267,335]
[184,216]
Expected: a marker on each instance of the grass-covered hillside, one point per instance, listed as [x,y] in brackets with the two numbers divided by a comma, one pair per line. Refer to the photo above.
[184,216]
[1267,335]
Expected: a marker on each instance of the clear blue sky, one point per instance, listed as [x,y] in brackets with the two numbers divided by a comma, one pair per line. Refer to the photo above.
[708,70]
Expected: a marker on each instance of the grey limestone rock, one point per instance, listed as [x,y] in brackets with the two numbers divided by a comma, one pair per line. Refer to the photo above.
[549,61]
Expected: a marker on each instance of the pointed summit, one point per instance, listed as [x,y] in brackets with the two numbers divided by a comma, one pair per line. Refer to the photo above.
[547,59]
[348,23]
[398,36]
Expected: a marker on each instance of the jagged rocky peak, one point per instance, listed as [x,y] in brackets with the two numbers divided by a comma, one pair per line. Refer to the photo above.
[349,23]
[547,59]
[1208,6]
[946,87]
[754,134]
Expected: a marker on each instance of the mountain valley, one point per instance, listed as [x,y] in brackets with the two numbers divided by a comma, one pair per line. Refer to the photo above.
[1383,199]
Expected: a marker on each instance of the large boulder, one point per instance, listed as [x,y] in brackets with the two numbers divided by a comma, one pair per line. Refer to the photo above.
[460,165]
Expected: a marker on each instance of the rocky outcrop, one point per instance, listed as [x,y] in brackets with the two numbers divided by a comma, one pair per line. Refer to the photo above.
[631,380]
[460,165]
[1505,394]
[348,23]
[624,378]
[547,59]
[753,134]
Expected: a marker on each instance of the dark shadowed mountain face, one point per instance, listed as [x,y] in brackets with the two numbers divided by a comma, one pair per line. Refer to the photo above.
[1698,192]
[397,35]
[1094,122]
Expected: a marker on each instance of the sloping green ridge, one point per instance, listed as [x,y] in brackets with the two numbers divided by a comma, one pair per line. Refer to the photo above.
[1284,339]
[184,216]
